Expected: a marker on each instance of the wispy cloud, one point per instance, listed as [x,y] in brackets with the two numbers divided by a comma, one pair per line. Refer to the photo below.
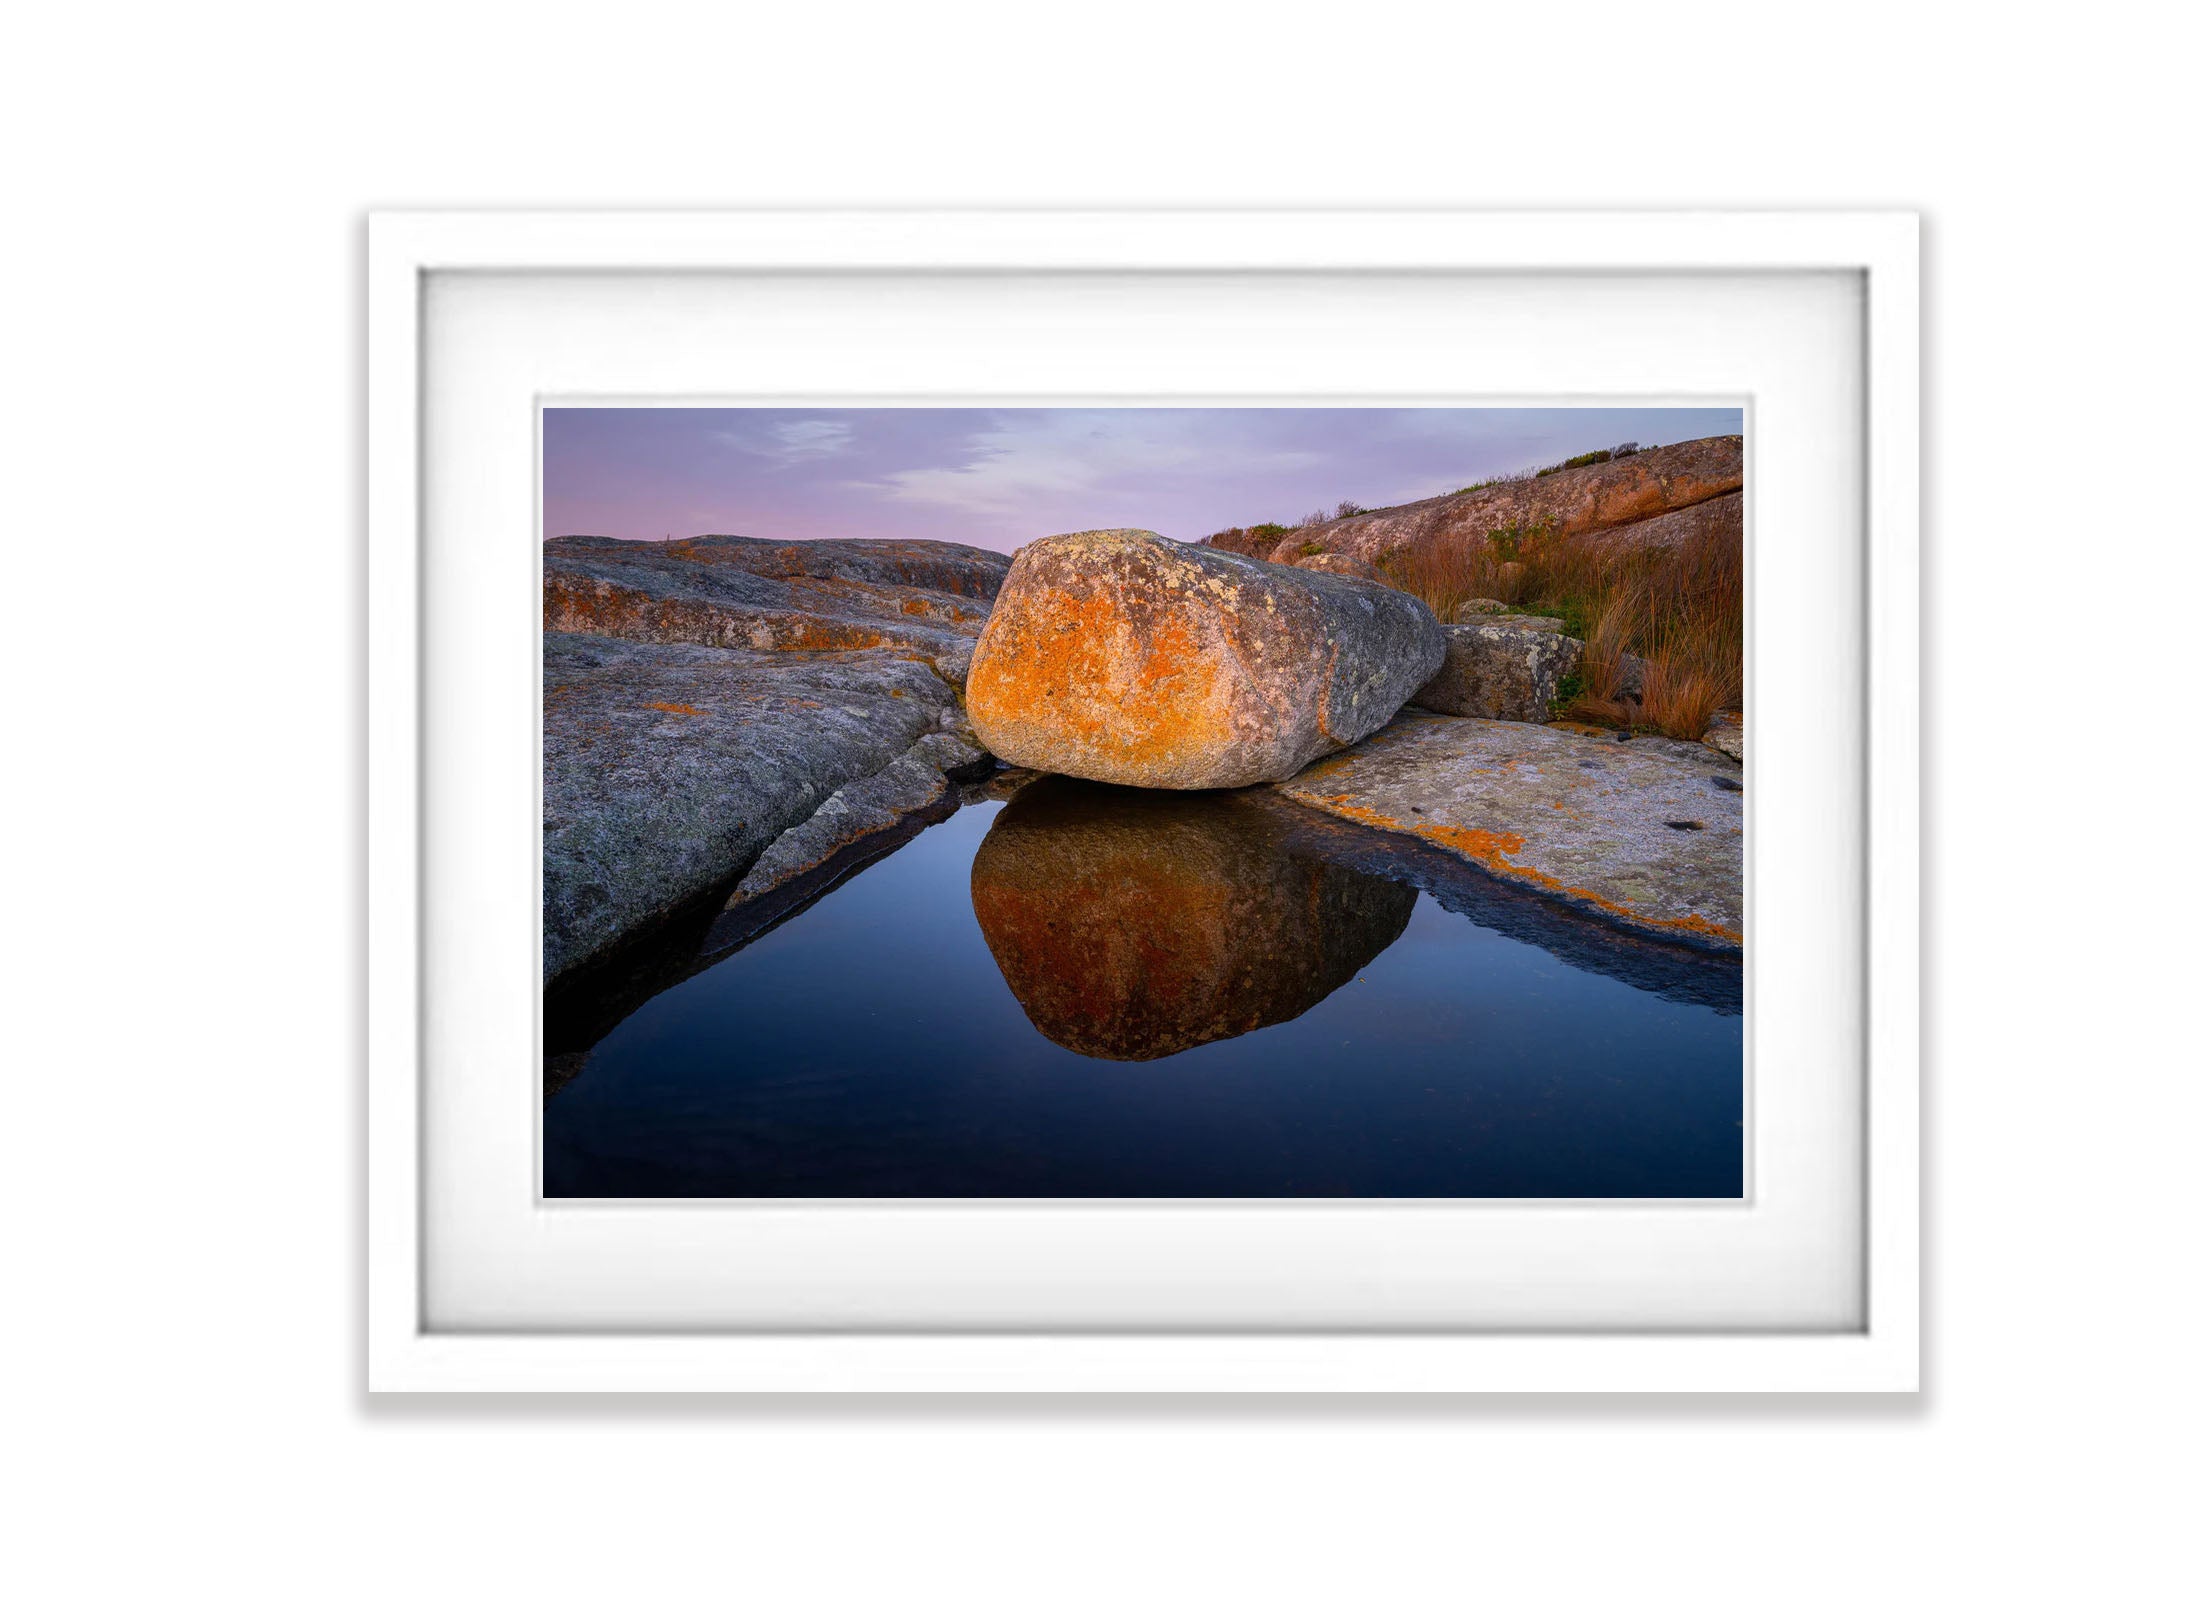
[1027,464]
[792,443]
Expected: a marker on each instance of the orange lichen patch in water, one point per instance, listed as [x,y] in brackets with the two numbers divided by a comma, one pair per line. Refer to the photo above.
[1488,849]
[675,707]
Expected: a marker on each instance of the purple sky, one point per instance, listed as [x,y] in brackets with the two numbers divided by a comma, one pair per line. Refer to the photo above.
[1000,477]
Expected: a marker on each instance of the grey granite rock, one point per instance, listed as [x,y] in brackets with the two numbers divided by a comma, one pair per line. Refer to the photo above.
[1639,830]
[669,768]
[917,785]
[1506,667]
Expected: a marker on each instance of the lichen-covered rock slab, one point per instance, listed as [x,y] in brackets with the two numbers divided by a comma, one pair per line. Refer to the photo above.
[1125,657]
[916,595]
[1645,831]
[1504,667]
[668,768]
[1132,925]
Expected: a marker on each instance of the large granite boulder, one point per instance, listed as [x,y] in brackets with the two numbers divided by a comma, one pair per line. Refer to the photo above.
[669,768]
[1132,925]
[1645,831]
[1505,667]
[916,595]
[1125,657]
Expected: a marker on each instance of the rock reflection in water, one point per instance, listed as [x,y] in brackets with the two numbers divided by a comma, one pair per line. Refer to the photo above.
[1132,924]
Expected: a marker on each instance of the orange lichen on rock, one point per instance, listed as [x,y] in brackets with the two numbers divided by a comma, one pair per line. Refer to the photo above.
[1131,690]
[1489,849]
[675,707]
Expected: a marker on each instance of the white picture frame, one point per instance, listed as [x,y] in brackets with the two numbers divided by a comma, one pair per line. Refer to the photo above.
[407,1352]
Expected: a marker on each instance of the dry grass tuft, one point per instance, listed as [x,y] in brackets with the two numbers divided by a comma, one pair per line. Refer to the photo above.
[1679,609]
[1611,629]
[1443,573]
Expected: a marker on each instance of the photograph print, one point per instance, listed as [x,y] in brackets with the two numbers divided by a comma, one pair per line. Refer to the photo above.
[1166,803]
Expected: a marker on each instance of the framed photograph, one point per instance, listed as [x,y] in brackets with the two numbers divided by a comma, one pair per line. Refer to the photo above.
[1143,801]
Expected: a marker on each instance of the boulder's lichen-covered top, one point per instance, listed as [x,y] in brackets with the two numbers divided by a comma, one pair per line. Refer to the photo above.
[1125,657]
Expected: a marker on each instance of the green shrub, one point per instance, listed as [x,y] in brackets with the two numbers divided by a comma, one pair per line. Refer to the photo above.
[1515,539]
[1572,611]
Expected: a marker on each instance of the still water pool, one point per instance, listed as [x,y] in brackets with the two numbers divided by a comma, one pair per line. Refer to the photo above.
[1104,993]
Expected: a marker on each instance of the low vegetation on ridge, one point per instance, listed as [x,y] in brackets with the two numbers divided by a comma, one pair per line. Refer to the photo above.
[1662,626]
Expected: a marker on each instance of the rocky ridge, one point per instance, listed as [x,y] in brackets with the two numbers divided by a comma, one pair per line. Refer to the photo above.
[1632,497]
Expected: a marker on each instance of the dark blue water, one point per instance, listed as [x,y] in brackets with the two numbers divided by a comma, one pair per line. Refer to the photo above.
[924,1031]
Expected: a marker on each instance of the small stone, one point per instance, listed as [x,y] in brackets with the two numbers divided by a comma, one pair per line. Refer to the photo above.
[1508,668]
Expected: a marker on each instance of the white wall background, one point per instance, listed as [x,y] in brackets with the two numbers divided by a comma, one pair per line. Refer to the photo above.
[182,667]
